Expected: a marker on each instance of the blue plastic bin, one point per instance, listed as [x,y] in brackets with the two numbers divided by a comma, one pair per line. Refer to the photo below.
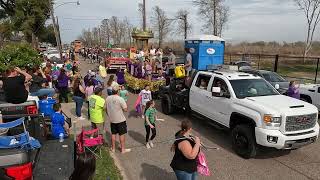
[46,106]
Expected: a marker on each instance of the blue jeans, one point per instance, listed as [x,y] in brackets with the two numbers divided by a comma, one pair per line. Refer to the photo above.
[182,175]
[79,102]
[44,92]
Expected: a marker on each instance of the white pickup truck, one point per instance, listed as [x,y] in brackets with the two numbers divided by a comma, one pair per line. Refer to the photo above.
[249,106]
[310,93]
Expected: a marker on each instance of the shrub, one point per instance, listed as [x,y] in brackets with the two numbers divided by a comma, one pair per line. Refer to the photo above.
[18,55]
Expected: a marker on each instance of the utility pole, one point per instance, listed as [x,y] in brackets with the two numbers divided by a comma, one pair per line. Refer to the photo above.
[215,18]
[55,29]
[185,26]
[144,16]
[59,34]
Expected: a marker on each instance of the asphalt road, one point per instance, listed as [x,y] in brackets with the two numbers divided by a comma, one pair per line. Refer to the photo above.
[153,164]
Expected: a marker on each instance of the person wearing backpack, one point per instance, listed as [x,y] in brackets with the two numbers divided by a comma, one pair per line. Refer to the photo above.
[184,162]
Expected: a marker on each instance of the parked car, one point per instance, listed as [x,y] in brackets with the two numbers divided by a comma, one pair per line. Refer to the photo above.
[242,65]
[273,78]
[246,104]
[310,93]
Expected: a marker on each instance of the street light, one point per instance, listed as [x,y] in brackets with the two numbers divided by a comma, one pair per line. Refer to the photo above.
[56,31]
[71,2]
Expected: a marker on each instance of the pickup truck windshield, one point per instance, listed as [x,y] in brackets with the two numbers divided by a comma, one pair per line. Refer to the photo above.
[252,88]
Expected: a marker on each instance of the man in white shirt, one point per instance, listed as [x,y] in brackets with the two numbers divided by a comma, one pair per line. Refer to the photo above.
[115,108]
[188,64]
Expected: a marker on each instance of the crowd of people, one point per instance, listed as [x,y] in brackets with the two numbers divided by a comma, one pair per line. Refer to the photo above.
[102,98]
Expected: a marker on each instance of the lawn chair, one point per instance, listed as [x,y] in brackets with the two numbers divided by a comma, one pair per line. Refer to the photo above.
[22,140]
[90,140]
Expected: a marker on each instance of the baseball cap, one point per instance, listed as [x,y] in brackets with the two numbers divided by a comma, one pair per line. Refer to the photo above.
[97,90]
[116,88]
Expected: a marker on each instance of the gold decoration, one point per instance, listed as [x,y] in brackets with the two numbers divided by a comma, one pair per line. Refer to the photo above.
[138,84]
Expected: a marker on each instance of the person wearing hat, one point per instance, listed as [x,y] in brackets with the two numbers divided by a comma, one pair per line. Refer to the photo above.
[171,64]
[97,110]
[115,108]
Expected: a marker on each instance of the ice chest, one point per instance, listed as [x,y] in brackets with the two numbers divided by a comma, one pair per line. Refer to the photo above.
[205,50]
[180,72]
[46,106]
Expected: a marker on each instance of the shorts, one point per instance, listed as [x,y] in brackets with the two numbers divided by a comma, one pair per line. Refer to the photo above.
[119,128]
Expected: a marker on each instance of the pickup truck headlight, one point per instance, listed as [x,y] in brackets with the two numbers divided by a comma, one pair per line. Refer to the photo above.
[269,120]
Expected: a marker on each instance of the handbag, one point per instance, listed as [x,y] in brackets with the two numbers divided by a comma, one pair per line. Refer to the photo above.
[202,165]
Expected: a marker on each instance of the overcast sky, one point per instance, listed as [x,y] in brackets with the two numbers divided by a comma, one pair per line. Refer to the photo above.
[250,20]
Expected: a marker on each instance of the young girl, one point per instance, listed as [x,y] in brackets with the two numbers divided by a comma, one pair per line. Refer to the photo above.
[148,70]
[124,93]
[150,123]
[145,97]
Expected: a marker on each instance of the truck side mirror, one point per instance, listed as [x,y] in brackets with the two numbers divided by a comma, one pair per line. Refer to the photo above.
[216,91]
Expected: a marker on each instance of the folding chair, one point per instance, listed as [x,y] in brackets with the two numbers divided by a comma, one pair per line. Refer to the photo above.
[90,140]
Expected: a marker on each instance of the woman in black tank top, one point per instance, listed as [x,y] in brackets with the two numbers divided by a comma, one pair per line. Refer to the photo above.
[78,97]
[184,162]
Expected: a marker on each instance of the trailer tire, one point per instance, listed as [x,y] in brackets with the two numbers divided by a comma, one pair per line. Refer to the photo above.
[166,105]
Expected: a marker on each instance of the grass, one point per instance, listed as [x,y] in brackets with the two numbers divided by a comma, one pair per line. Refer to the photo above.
[105,167]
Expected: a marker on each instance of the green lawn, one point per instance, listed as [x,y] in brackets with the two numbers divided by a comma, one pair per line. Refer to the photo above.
[105,167]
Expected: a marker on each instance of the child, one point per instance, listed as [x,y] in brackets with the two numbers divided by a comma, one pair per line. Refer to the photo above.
[124,93]
[58,122]
[148,71]
[145,97]
[150,120]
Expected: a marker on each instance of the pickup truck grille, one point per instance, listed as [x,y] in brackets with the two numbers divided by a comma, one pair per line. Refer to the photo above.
[303,122]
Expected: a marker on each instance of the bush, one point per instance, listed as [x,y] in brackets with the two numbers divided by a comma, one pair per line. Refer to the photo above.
[18,55]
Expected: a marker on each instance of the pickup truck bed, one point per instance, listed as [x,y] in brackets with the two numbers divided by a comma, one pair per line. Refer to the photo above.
[55,161]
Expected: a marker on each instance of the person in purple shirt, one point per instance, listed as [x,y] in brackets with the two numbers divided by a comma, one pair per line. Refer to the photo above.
[293,90]
[63,84]
[120,77]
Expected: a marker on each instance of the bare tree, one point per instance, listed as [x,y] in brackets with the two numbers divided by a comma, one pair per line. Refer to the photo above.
[117,30]
[161,24]
[105,31]
[184,27]
[311,9]
[215,13]
[86,37]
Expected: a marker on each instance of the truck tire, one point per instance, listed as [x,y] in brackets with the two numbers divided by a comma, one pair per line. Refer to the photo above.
[306,99]
[166,105]
[243,141]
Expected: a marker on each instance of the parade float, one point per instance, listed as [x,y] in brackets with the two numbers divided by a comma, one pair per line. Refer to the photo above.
[134,75]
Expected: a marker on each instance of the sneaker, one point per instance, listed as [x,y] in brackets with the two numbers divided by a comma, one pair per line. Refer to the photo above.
[148,145]
[82,118]
[126,151]
[142,116]
[151,144]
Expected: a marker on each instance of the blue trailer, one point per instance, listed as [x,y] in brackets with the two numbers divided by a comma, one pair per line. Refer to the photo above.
[205,50]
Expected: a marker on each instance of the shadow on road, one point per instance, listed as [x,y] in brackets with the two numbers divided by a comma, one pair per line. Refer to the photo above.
[155,173]
[132,113]
[137,136]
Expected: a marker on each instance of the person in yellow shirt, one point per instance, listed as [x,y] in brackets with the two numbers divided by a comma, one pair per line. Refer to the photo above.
[97,111]
[102,70]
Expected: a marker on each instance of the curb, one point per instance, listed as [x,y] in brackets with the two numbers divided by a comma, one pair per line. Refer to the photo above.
[118,164]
